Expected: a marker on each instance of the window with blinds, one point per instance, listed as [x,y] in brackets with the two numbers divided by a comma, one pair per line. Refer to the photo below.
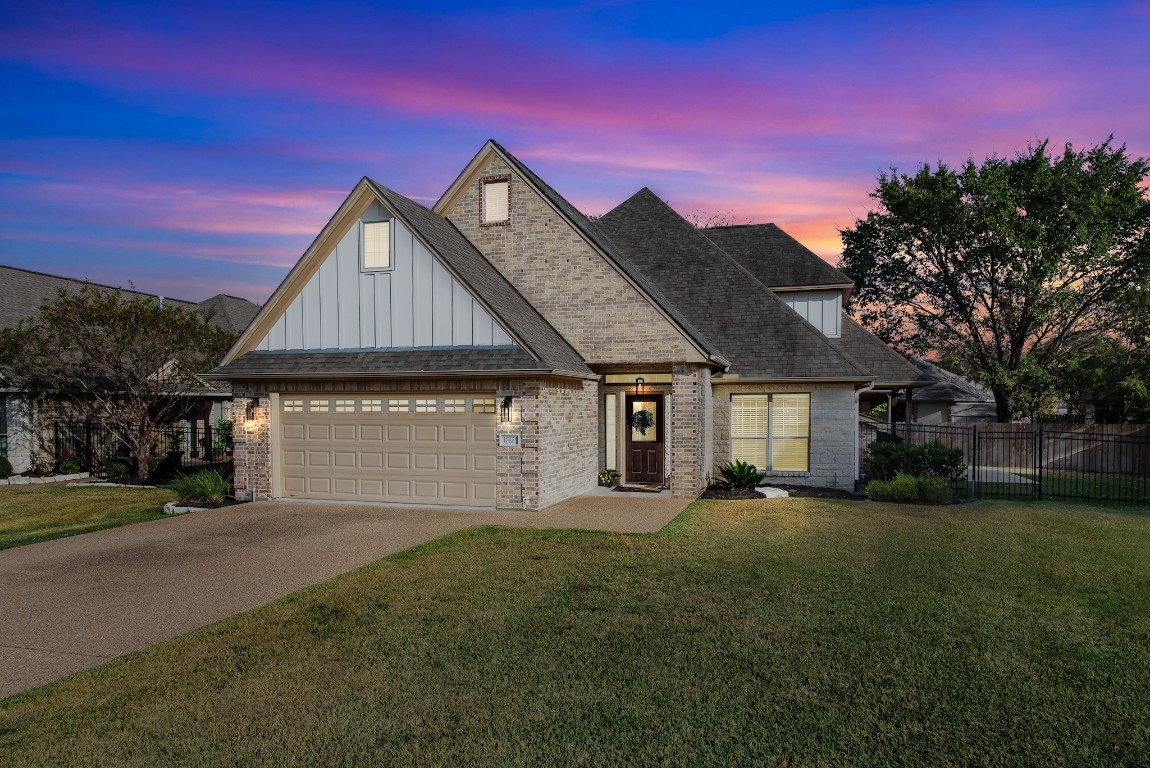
[496,201]
[377,245]
[772,431]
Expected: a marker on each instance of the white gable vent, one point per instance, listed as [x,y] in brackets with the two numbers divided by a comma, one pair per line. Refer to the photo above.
[496,204]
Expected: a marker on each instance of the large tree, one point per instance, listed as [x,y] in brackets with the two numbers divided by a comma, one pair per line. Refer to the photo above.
[1010,270]
[129,359]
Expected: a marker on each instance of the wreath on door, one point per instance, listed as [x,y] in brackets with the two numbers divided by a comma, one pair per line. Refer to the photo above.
[642,421]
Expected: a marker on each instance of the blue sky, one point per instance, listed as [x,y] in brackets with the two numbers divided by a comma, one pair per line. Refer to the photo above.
[198,148]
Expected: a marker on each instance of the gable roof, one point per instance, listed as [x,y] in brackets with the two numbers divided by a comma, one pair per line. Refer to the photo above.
[592,233]
[544,350]
[890,369]
[22,291]
[718,295]
[774,257]
[950,387]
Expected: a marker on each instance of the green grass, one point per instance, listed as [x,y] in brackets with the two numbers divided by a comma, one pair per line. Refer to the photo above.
[31,513]
[746,633]
[1085,487]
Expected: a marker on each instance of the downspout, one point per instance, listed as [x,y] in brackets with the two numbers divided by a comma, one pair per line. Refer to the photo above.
[858,402]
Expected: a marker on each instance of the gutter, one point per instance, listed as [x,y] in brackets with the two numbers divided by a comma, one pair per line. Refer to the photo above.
[319,376]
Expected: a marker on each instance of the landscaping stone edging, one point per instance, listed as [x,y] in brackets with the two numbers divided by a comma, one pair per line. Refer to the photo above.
[22,480]
[175,508]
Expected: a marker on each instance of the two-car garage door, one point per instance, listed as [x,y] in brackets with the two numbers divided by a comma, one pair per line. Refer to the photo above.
[405,449]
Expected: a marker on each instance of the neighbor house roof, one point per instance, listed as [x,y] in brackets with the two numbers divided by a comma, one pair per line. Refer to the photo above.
[950,387]
[544,349]
[24,290]
[774,257]
[754,329]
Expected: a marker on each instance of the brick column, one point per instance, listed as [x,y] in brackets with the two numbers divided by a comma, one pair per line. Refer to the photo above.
[687,433]
[253,446]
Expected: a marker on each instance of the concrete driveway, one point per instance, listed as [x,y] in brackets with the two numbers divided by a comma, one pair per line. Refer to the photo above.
[74,603]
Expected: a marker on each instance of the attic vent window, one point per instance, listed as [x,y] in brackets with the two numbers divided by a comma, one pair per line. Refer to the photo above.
[376,244]
[496,200]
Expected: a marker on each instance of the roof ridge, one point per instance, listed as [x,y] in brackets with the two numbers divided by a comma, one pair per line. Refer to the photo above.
[98,285]
[594,233]
[754,280]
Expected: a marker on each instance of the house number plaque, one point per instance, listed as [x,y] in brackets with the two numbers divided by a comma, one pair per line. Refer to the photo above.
[509,441]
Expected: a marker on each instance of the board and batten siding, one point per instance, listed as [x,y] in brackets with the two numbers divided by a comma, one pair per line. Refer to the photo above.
[417,303]
[822,309]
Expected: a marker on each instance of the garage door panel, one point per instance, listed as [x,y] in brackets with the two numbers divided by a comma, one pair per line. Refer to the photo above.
[387,449]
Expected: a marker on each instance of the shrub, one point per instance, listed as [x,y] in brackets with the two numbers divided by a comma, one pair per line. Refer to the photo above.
[5,467]
[68,466]
[209,485]
[933,490]
[902,489]
[886,460]
[165,466]
[740,474]
[120,466]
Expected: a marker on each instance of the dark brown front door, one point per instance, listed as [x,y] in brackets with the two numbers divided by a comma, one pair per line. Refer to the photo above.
[644,430]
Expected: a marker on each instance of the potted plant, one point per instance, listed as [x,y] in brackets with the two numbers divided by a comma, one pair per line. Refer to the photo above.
[608,478]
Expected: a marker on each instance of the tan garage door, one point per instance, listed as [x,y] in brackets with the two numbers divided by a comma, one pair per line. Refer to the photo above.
[406,449]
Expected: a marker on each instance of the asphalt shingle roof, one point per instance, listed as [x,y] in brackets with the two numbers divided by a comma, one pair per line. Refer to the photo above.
[22,291]
[774,257]
[322,364]
[877,359]
[755,330]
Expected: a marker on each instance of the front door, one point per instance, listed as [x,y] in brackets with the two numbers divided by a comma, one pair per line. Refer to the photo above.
[644,430]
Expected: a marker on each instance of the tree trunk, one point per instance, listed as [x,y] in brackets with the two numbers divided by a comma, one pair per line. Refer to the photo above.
[1002,409]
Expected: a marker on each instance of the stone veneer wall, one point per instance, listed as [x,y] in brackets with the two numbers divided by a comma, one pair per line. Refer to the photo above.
[690,391]
[834,419]
[571,285]
[554,418]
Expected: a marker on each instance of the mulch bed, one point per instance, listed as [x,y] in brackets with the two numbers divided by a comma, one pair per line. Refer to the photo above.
[720,491]
[210,504]
[727,493]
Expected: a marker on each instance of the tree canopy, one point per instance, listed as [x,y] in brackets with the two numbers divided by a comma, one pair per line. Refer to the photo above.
[129,359]
[1028,274]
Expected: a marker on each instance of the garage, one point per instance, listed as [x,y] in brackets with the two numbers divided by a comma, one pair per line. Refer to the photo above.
[399,448]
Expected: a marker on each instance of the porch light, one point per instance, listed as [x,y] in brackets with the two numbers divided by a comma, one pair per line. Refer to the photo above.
[253,404]
[505,409]
[639,382]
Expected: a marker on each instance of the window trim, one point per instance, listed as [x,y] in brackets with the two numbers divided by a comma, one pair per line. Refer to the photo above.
[770,436]
[363,246]
[483,182]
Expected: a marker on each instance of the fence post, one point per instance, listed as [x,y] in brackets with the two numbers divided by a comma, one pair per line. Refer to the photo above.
[55,438]
[88,446]
[1038,469]
[974,461]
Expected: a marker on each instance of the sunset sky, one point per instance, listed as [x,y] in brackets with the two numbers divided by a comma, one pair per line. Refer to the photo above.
[198,148]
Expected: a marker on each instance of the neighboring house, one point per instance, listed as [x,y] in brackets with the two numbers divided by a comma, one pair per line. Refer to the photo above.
[501,350]
[953,399]
[26,423]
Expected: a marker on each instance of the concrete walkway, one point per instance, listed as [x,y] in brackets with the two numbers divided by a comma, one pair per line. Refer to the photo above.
[74,603]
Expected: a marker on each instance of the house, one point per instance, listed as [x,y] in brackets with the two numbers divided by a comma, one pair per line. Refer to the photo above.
[953,399]
[25,422]
[501,349]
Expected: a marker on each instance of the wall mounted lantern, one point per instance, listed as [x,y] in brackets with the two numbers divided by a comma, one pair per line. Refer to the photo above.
[505,409]
[253,404]
[639,382]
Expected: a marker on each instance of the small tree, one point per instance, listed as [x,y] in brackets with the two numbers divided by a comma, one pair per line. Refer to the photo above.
[127,357]
[1010,270]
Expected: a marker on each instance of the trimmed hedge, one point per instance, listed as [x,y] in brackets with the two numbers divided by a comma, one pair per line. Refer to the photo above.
[885,461]
[908,489]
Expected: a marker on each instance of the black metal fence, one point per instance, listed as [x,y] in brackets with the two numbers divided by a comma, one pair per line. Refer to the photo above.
[1023,461]
[176,448]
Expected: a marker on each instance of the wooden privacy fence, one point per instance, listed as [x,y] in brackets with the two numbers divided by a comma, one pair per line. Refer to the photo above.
[1102,462]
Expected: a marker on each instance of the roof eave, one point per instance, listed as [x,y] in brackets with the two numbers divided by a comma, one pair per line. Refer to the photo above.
[410,374]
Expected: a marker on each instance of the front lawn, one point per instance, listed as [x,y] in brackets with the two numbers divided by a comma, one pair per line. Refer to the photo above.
[796,632]
[30,513]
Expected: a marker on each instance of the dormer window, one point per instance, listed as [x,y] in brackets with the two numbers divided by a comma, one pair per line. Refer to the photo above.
[376,245]
[496,200]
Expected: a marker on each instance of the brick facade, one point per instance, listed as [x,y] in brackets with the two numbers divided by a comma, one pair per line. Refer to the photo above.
[554,419]
[690,391]
[594,307]
[834,421]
